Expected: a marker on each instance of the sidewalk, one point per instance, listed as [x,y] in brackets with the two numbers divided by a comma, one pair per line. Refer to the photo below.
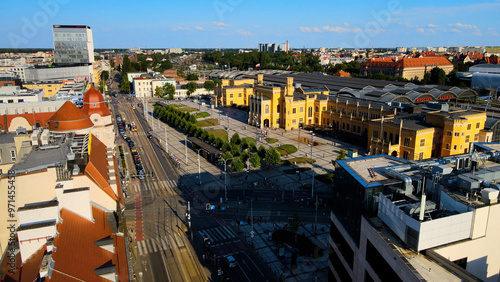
[213,176]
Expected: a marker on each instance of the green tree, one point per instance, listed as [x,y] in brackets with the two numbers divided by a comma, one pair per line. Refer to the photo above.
[191,87]
[227,155]
[294,222]
[262,151]
[158,92]
[101,86]
[235,139]
[124,84]
[191,77]
[209,85]
[217,82]
[438,76]
[273,156]
[244,156]
[226,147]
[255,160]
[169,90]
[237,165]
[427,78]
[104,75]
[342,155]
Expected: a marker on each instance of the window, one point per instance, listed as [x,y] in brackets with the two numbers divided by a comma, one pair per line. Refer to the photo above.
[421,156]
[266,109]
[230,95]
[448,133]
[407,141]
[310,112]
[477,125]
[294,110]
[422,142]
[301,109]
[277,121]
[316,109]
[239,95]
[467,139]
[13,155]
[447,146]
[375,134]
[454,147]
[294,121]
[457,134]
[406,154]
[301,120]
[469,126]
[476,137]
[324,109]
[10,101]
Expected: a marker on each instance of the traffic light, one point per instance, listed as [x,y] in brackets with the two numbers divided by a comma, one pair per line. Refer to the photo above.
[207,206]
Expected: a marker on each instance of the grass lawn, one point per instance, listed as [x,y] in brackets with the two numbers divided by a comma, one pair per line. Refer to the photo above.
[177,105]
[286,149]
[299,160]
[294,170]
[188,109]
[325,178]
[307,141]
[208,122]
[271,140]
[201,115]
[219,133]
[249,139]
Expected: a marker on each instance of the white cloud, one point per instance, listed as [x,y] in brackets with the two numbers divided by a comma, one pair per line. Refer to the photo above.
[316,29]
[466,26]
[340,29]
[244,32]
[432,25]
[346,23]
[180,28]
[305,29]
[455,30]
[419,29]
[199,28]
[221,24]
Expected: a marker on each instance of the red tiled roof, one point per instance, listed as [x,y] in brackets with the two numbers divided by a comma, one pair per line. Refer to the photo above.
[408,62]
[69,118]
[33,118]
[93,102]
[342,73]
[76,252]
[97,167]
[28,271]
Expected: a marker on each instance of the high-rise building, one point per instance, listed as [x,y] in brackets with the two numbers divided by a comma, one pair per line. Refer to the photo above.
[73,45]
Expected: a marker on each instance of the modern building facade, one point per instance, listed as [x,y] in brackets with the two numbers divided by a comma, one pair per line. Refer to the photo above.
[395,220]
[73,45]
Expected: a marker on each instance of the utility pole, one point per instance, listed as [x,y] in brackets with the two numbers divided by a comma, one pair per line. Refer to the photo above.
[312,166]
[298,142]
[315,215]
[166,139]
[225,178]
[185,145]
[189,219]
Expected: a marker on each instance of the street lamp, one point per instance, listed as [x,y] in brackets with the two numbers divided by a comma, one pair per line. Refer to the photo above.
[199,169]
[225,178]
[186,148]
[312,166]
[166,139]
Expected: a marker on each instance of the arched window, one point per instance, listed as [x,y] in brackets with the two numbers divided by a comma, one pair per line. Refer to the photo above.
[267,109]
[310,112]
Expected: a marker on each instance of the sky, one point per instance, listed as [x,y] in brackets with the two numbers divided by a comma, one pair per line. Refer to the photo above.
[245,24]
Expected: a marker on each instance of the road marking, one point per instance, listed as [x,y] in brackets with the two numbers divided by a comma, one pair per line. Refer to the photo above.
[163,241]
[153,242]
[229,230]
[218,231]
[139,247]
[149,247]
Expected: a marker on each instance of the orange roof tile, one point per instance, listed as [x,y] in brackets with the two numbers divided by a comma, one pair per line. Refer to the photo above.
[93,102]
[97,167]
[69,118]
[76,252]
[342,73]
[408,62]
[26,272]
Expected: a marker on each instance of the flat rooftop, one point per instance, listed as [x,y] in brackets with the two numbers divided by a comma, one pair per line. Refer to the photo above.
[360,167]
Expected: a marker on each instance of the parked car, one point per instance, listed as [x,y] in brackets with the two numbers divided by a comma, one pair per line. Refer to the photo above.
[230,261]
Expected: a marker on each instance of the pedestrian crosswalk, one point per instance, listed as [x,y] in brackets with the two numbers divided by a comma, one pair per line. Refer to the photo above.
[152,245]
[153,185]
[218,234]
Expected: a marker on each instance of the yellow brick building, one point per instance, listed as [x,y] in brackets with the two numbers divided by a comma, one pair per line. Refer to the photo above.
[50,88]
[412,137]
[234,92]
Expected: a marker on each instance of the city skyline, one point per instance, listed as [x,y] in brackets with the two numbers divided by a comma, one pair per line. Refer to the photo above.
[242,24]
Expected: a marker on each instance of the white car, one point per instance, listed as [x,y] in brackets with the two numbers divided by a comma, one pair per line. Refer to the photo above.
[230,261]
